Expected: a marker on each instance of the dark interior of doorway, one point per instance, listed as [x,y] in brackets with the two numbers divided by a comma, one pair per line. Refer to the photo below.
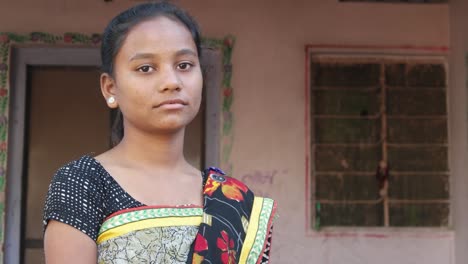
[67,117]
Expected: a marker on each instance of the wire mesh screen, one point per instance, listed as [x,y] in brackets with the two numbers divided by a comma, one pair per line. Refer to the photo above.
[379,141]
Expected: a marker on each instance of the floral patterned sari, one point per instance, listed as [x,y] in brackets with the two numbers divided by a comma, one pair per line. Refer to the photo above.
[233,226]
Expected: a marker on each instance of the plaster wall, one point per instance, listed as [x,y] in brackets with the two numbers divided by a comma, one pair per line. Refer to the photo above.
[458,109]
[269,103]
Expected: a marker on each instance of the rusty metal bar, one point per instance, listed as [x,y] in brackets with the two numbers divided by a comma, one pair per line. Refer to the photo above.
[383,138]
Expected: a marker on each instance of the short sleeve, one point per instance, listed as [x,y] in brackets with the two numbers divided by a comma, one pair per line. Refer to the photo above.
[75,198]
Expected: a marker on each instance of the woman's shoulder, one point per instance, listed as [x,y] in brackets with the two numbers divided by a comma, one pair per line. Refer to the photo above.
[83,168]
[75,196]
[231,187]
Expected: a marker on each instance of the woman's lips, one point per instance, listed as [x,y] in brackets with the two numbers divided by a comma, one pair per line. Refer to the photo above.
[172,104]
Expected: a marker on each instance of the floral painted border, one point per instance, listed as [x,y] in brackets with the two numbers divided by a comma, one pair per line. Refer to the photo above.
[7,39]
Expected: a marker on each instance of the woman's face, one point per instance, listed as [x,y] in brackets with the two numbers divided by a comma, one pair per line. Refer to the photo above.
[158,80]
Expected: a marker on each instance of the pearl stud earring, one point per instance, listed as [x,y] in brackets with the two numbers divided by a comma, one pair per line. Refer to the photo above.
[111,100]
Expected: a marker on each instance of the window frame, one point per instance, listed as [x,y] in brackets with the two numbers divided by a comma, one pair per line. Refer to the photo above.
[433,53]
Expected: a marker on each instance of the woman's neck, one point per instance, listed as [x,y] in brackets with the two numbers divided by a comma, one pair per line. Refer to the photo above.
[164,150]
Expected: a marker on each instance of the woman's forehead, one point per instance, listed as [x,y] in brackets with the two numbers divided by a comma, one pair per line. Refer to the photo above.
[158,35]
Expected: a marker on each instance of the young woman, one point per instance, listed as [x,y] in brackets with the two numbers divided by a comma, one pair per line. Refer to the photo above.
[141,202]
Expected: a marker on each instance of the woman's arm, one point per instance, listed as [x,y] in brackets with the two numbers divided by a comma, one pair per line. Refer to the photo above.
[66,244]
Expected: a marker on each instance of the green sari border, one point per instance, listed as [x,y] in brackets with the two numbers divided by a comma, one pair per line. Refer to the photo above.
[265,221]
[151,213]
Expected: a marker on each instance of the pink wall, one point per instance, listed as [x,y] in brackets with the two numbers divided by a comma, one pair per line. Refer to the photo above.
[268,82]
[458,133]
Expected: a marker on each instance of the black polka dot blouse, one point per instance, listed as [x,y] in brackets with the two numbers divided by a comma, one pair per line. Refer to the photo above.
[82,194]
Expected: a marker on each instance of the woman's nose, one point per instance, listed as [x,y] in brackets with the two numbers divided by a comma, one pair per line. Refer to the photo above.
[170,81]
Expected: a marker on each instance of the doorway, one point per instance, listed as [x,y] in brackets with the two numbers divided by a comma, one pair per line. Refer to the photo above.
[65,117]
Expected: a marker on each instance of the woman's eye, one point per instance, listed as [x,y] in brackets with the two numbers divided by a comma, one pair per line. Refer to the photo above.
[145,68]
[184,66]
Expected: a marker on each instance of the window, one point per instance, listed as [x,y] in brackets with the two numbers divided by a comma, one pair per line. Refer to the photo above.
[378,133]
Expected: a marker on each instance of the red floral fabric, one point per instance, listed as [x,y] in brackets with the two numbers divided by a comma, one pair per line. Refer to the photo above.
[227,201]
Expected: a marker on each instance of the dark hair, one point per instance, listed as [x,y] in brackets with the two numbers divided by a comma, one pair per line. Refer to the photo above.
[115,33]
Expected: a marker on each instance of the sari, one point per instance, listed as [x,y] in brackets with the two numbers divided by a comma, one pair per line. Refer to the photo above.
[233,226]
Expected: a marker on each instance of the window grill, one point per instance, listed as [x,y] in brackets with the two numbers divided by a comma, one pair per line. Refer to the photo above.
[379,141]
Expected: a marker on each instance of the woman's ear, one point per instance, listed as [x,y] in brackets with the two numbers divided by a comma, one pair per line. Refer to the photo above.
[108,90]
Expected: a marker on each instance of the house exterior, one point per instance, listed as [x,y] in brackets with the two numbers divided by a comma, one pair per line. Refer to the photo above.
[270,134]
